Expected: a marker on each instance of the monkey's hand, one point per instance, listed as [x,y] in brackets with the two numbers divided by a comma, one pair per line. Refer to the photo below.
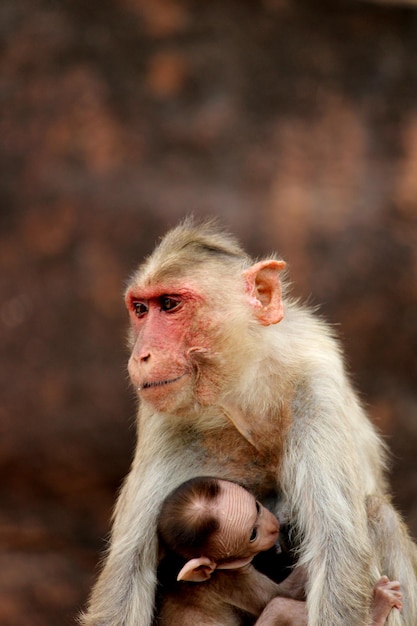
[386,596]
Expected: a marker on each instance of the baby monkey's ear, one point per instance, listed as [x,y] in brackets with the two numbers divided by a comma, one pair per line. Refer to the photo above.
[197,570]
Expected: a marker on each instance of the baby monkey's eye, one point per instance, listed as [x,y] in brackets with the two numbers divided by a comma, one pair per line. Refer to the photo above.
[254,533]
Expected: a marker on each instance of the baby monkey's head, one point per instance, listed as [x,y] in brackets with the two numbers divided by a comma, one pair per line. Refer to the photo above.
[213,524]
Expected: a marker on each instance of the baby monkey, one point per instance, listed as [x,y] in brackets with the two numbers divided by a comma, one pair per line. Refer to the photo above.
[218,527]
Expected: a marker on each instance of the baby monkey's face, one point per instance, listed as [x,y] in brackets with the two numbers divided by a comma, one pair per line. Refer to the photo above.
[246,527]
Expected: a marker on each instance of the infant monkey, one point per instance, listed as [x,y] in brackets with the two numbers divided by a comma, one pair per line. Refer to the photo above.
[218,527]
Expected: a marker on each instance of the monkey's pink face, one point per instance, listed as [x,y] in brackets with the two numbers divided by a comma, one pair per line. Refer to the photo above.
[246,527]
[168,338]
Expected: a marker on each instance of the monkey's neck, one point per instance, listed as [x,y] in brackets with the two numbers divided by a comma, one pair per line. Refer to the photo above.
[260,429]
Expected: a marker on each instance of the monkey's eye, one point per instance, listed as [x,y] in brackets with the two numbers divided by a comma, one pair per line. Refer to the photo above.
[258,507]
[140,308]
[253,535]
[169,304]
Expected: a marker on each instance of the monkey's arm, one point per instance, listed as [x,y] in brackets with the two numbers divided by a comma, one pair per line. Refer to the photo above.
[294,586]
[125,591]
[283,612]
[245,588]
[327,469]
[255,593]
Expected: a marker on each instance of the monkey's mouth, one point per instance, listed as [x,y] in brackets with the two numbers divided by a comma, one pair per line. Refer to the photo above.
[159,383]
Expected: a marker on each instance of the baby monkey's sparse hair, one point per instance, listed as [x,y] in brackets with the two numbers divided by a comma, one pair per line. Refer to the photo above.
[187,522]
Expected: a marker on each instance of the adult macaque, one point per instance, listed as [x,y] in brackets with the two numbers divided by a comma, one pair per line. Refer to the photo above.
[218,528]
[229,387]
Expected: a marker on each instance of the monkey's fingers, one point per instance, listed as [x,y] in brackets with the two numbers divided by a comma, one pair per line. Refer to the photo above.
[388,591]
[385,583]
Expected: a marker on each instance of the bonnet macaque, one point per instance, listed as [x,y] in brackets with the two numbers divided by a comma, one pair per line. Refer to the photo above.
[236,380]
[218,527]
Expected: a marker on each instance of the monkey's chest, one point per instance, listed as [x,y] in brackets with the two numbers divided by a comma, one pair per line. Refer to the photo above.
[225,453]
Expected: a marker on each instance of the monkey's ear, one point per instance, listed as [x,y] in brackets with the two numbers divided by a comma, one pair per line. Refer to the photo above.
[197,570]
[264,291]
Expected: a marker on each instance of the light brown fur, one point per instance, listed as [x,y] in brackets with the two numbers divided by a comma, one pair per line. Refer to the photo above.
[265,403]
[221,599]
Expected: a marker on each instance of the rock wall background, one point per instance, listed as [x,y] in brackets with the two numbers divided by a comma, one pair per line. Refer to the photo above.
[295,121]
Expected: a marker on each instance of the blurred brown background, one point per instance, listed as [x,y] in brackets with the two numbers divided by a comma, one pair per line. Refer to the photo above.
[293,120]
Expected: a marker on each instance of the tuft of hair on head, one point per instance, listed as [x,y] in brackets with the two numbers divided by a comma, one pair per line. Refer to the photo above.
[192,243]
[206,237]
[186,521]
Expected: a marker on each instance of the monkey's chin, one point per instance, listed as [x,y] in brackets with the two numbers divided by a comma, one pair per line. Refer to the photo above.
[163,395]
